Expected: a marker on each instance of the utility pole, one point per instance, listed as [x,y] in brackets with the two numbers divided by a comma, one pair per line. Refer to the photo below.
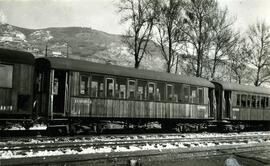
[67,50]
[46,51]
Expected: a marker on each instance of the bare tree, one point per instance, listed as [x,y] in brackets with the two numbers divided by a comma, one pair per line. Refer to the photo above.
[238,62]
[258,51]
[198,29]
[141,15]
[168,33]
[223,41]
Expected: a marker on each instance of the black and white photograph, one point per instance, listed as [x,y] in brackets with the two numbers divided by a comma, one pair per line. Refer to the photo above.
[135,82]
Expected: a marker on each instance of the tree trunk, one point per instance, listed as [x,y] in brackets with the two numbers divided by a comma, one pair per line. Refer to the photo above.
[176,67]
[214,68]
[239,79]
[136,64]
[168,70]
[256,83]
[198,64]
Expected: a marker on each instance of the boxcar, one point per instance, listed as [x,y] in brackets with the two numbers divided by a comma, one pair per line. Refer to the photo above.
[86,92]
[242,105]
[16,86]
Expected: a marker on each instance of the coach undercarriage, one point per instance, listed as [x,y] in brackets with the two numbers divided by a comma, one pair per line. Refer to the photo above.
[75,125]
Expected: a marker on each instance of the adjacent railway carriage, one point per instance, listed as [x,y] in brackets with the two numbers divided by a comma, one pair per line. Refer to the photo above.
[90,92]
[242,105]
[16,85]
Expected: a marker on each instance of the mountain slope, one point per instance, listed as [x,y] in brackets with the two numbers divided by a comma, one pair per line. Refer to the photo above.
[76,42]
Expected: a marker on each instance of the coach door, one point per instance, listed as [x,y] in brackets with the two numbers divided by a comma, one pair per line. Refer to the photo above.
[59,86]
[227,97]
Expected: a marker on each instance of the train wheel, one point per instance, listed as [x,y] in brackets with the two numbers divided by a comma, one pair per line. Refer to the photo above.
[27,125]
[57,130]
[3,125]
[72,130]
[167,127]
[98,128]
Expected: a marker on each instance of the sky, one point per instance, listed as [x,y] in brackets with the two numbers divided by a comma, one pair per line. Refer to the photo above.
[102,14]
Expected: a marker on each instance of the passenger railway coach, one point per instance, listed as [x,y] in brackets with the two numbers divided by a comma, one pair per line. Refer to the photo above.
[241,105]
[68,93]
[88,93]
[16,86]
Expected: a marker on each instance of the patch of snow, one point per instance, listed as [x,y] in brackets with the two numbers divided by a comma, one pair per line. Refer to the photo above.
[6,39]
[16,127]
[106,149]
[41,35]
[39,127]
[20,35]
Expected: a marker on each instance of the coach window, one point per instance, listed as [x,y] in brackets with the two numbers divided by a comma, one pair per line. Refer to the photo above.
[238,99]
[160,92]
[120,88]
[248,101]
[55,86]
[253,104]
[193,94]
[262,102]
[266,102]
[109,87]
[243,100]
[151,91]
[258,101]
[178,92]
[186,93]
[84,85]
[200,94]
[142,90]
[131,89]
[6,73]
[97,86]
[169,92]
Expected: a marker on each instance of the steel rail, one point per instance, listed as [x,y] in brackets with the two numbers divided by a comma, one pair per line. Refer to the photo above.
[136,142]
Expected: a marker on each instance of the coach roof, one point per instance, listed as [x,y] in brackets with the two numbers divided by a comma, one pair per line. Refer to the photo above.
[78,65]
[243,88]
[14,56]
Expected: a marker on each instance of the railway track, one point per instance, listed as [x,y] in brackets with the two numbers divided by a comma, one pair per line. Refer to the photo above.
[99,147]
[50,145]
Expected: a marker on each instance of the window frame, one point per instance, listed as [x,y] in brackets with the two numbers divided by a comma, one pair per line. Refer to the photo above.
[267,103]
[154,90]
[98,86]
[87,85]
[118,85]
[249,100]
[106,86]
[144,84]
[238,99]
[128,88]
[243,104]
[192,99]
[12,75]
[258,101]
[172,92]
[186,100]
[198,95]
[253,105]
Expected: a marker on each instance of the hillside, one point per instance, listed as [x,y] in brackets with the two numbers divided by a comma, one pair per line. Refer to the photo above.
[78,43]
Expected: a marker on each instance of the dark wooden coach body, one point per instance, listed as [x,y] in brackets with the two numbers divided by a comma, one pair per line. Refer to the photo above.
[243,104]
[69,88]
[16,84]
